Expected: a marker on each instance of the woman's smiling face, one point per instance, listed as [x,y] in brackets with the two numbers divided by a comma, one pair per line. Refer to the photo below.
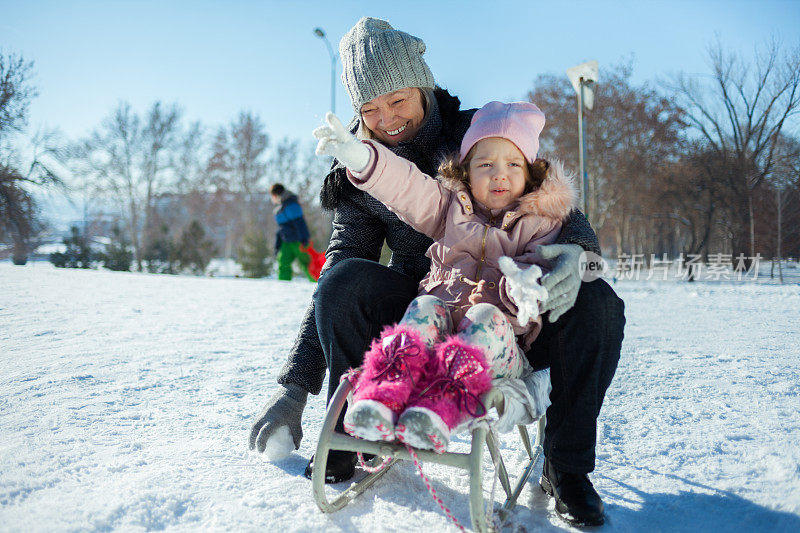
[497,172]
[395,117]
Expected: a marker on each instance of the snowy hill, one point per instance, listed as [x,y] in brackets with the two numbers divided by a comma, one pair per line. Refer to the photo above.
[126,401]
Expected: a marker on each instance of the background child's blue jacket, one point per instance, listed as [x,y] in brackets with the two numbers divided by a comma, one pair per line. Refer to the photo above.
[291,225]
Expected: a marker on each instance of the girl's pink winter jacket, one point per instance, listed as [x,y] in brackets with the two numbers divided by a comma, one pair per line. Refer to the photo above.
[469,238]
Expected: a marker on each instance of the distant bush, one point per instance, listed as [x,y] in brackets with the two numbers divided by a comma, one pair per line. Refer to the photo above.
[255,255]
[193,250]
[118,255]
[161,254]
[77,255]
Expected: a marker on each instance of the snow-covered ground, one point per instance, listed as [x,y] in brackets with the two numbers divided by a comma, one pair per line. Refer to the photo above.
[126,401]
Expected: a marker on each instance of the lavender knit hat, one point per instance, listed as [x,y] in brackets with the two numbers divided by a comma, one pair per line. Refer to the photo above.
[519,122]
[378,59]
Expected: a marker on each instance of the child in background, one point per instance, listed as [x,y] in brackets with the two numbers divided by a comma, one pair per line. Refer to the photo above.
[493,203]
[292,232]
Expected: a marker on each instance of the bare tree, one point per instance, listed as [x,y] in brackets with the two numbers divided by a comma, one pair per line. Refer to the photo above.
[108,158]
[633,136]
[283,164]
[19,213]
[159,143]
[16,92]
[238,154]
[784,178]
[188,166]
[740,112]
[692,200]
[237,168]
[129,158]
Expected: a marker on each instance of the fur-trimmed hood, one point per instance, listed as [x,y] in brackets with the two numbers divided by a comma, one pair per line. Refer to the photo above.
[556,197]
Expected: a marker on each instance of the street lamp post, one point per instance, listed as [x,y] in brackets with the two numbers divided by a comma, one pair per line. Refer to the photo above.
[319,32]
[582,149]
[583,78]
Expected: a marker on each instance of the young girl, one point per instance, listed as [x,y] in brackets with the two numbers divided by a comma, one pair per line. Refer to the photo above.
[494,200]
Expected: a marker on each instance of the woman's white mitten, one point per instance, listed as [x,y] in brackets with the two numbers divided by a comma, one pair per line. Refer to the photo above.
[336,141]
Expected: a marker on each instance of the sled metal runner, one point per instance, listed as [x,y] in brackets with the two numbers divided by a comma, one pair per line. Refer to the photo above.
[329,439]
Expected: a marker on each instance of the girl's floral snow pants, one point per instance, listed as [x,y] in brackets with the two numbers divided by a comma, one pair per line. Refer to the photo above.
[484,326]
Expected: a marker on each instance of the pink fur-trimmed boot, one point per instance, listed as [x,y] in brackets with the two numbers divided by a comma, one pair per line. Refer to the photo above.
[450,396]
[393,367]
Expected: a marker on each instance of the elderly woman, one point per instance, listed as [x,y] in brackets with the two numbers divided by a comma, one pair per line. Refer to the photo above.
[398,104]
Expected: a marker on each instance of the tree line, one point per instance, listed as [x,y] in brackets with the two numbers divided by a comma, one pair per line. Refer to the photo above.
[698,165]
[166,176]
[165,195]
[692,165]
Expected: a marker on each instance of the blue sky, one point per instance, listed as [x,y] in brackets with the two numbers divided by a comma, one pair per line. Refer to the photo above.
[217,58]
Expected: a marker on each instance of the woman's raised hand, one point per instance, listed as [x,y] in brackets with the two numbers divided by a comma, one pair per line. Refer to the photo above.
[336,141]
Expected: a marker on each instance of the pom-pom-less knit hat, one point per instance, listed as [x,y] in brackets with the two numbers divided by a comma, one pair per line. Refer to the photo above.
[519,122]
[378,59]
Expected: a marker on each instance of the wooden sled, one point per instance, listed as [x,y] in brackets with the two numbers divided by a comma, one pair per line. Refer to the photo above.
[472,461]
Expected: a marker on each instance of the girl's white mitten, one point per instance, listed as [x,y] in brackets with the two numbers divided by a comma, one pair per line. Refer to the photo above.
[336,141]
[524,288]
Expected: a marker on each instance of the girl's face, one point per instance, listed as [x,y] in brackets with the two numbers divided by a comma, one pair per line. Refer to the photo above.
[396,116]
[497,172]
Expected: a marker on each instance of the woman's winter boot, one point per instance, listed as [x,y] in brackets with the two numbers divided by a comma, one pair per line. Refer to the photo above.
[449,397]
[392,368]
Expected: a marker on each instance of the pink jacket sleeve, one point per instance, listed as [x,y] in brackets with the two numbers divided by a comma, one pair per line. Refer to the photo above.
[417,199]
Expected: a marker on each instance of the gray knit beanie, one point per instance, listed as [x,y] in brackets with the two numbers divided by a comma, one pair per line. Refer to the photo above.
[377,59]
